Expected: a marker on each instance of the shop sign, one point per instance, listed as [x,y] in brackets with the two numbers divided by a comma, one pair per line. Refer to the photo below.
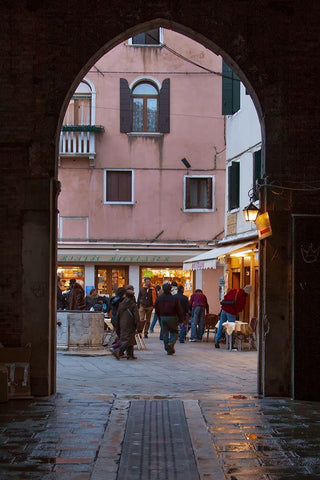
[115,258]
[263,226]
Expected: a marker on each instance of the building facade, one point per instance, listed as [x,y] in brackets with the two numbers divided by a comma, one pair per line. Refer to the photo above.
[237,252]
[142,166]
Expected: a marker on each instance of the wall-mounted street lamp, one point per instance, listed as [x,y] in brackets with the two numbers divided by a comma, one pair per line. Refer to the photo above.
[250,212]
[185,162]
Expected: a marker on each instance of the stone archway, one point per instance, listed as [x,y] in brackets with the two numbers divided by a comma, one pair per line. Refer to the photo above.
[47,49]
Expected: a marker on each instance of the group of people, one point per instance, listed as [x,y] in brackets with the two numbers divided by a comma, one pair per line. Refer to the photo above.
[174,311]
[172,308]
[75,299]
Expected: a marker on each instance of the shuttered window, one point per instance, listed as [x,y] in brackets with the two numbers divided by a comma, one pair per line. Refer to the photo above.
[230,91]
[145,109]
[118,186]
[257,172]
[233,185]
[151,37]
[198,193]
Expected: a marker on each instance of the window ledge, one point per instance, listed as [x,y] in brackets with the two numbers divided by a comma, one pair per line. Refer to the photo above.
[119,203]
[234,210]
[198,210]
[145,134]
[156,45]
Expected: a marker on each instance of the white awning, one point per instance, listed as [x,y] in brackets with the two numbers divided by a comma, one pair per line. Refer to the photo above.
[209,259]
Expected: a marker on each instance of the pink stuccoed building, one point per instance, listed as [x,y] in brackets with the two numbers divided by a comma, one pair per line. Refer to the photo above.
[142,167]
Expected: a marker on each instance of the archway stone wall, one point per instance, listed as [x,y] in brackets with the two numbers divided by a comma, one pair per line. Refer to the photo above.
[47,48]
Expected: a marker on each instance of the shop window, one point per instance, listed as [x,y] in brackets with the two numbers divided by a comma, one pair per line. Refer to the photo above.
[230,91]
[66,273]
[145,108]
[233,185]
[119,186]
[79,108]
[150,38]
[108,279]
[160,275]
[198,193]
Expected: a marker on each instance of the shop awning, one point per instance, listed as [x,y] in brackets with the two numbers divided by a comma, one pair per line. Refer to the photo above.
[209,259]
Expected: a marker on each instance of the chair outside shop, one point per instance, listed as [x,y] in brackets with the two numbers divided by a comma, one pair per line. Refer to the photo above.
[210,322]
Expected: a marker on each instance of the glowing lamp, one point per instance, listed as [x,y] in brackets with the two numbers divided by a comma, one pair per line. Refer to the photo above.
[250,213]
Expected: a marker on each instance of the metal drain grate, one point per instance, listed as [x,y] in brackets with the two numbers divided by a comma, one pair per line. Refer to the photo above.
[157,444]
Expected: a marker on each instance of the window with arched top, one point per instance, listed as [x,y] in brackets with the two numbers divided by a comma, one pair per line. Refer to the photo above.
[79,108]
[145,108]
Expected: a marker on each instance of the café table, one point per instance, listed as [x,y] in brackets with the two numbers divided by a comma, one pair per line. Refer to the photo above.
[231,328]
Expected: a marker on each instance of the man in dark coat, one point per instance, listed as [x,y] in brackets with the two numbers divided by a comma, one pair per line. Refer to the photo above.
[128,324]
[184,302]
[169,311]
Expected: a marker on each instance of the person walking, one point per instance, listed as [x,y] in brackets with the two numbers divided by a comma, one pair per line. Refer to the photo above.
[199,307]
[146,301]
[128,323]
[184,302]
[155,318]
[113,308]
[169,311]
[233,303]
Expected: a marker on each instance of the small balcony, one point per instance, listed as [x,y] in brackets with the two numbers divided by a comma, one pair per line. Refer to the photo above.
[79,140]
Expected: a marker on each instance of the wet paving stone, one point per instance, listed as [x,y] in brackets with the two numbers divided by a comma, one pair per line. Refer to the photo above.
[60,438]
[51,439]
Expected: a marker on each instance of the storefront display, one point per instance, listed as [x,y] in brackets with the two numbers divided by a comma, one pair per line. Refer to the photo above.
[68,272]
[160,275]
[108,279]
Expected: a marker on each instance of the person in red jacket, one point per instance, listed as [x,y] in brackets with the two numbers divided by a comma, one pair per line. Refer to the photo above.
[233,303]
[199,306]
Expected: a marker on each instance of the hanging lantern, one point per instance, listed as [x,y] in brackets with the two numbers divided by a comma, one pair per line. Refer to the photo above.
[250,213]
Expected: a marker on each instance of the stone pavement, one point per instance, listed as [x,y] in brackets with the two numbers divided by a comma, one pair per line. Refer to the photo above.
[101,424]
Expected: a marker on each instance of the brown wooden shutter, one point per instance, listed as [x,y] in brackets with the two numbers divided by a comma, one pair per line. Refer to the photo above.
[119,187]
[209,192]
[187,193]
[125,107]
[164,107]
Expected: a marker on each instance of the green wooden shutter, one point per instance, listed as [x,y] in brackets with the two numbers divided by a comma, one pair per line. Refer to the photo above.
[164,107]
[233,185]
[256,170]
[125,107]
[230,91]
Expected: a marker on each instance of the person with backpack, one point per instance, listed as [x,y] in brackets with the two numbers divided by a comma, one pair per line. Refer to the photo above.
[128,323]
[233,303]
